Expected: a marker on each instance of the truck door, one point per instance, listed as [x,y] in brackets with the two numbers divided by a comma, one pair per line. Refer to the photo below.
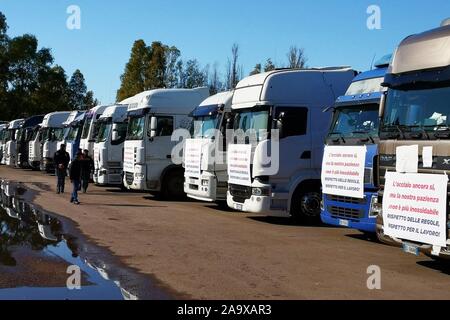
[295,143]
[158,155]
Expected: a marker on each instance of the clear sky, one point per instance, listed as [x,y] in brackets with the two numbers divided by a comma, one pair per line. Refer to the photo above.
[332,32]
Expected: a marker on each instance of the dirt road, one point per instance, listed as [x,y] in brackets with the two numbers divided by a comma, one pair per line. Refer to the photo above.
[203,251]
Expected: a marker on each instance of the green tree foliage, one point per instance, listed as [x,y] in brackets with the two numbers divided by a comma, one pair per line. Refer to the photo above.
[155,73]
[77,91]
[256,70]
[269,66]
[194,76]
[132,80]
[90,101]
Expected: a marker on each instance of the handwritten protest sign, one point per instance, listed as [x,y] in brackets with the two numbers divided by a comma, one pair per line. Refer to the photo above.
[239,159]
[415,207]
[343,171]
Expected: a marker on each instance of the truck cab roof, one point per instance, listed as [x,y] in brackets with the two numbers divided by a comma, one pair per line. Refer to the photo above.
[71,118]
[211,104]
[365,88]
[291,86]
[427,50]
[55,119]
[170,101]
[15,124]
[32,121]
[118,113]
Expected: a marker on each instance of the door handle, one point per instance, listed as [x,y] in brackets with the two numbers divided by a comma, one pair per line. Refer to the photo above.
[169,156]
[306,155]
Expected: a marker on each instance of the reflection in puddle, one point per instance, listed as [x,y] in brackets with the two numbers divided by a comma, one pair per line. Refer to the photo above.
[35,251]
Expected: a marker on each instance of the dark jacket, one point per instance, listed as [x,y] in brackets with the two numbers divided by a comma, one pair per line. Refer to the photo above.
[87,166]
[75,170]
[61,157]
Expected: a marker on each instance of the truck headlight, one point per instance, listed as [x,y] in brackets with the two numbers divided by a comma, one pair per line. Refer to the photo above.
[260,191]
[205,182]
[375,207]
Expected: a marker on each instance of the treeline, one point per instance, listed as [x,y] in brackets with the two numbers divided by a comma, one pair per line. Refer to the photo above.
[30,82]
[161,66]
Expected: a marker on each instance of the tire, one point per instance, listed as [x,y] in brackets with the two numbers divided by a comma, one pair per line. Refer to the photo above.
[173,186]
[305,204]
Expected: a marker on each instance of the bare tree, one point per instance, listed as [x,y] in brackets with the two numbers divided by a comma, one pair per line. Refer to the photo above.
[214,81]
[296,58]
[234,71]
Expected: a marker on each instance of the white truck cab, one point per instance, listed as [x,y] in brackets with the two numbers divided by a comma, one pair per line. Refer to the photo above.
[148,145]
[90,128]
[34,148]
[276,170]
[51,128]
[108,148]
[205,174]
[62,137]
[3,129]
[10,149]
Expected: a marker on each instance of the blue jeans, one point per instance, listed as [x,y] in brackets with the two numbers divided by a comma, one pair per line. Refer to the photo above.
[61,176]
[76,187]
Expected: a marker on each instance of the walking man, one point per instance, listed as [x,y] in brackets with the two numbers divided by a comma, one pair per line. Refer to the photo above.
[87,168]
[75,176]
[61,160]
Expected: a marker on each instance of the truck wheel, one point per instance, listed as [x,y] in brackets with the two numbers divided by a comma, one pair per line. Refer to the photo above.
[173,186]
[305,205]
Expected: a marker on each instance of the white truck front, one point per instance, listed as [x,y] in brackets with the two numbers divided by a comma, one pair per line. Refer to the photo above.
[3,129]
[90,128]
[108,148]
[275,157]
[205,167]
[148,145]
[62,137]
[52,127]
[34,148]
[10,150]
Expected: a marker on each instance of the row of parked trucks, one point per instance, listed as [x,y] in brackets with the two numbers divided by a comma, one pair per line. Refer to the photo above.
[260,147]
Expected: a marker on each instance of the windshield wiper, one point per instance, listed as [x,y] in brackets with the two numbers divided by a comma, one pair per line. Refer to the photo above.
[398,128]
[441,130]
[422,128]
[341,136]
[366,133]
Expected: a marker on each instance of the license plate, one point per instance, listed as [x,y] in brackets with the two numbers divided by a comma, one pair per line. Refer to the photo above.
[192,181]
[238,206]
[343,223]
[411,248]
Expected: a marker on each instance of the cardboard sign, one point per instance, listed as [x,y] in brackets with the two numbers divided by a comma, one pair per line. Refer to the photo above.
[415,207]
[239,159]
[193,157]
[343,171]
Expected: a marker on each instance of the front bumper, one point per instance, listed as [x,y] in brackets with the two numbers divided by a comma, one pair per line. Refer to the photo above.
[134,181]
[350,212]
[204,188]
[108,176]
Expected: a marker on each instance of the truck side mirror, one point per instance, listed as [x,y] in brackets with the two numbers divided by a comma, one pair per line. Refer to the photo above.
[382,103]
[153,127]
[115,133]
[279,123]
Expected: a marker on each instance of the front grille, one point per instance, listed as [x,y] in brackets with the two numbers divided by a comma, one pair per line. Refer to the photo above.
[346,199]
[346,213]
[368,176]
[193,186]
[129,178]
[240,193]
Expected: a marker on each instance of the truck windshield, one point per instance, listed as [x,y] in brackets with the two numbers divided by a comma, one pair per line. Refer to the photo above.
[10,134]
[104,130]
[136,127]
[256,119]
[73,132]
[86,127]
[427,109]
[204,126]
[35,133]
[355,121]
[20,134]
[60,134]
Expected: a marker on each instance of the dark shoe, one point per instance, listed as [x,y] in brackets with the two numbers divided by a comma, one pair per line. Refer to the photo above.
[57,192]
[76,202]
[71,200]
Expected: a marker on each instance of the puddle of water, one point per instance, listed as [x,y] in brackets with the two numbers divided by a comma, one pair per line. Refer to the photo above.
[36,247]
